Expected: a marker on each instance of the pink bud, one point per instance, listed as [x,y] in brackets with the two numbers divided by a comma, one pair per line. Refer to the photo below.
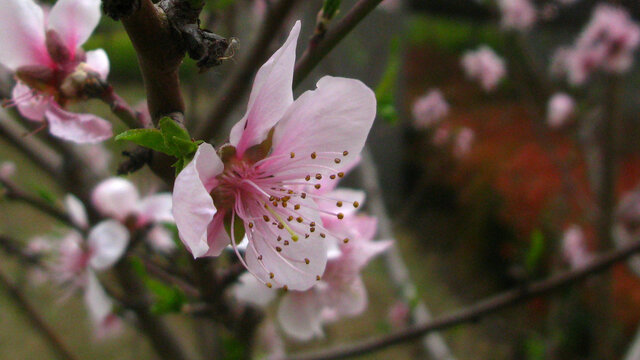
[559,109]
[7,169]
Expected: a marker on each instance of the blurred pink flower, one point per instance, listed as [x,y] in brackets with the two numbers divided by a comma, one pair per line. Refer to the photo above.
[574,247]
[517,14]
[463,142]
[485,66]
[278,145]
[441,136]
[119,199]
[606,44]
[559,109]
[7,169]
[429,109]
[399,314]
[45,54]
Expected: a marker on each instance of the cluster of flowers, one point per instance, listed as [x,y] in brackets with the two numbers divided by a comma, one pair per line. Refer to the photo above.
[606,44]
[75,259]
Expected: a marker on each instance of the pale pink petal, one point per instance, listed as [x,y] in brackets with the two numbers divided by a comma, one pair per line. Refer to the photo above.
[98,61]
[161,240]
[79,128]
[271,95]
[100,307]
[193,207]
[75,209]
[348,299]
[299,315]
[115,197]
[217,237]
[23,37]
[251,291]
[107,243]
[156,208]
[329,121]
[74,21]
[273,251]
[31,106]
[347,198]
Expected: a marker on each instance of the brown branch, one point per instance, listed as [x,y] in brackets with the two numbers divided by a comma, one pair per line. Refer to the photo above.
[33,149]
[47,332]
[120,108]
[239,81]
[314,54]
[13,192]
[164,342]
[482,308]
[13,248]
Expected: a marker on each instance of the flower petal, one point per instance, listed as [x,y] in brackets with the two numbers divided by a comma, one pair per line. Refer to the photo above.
[77,212]
[330,121]
[217,237]
[74,21]
[79,128]
[115,197]
[193,207]
[96,299]
[299,314]
[107,243]
[98,61]
[23,40]
[252,291]
[156,208]
[275,257]
[161,240]
[31,106]
[270,97]
[347,299]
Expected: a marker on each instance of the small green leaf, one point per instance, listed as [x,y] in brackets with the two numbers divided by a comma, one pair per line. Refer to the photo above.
[330,8]
[385,91]
[149,138]
[535,252]
[170,128]
[184,147]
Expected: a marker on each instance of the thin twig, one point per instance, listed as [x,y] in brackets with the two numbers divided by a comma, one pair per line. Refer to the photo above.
[239,80]
[13,192]
[313,55]
[433,344]
[47,332]
[482,308]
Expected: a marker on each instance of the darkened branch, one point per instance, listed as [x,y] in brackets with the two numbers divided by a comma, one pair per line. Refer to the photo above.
[314,54]
[36,320]
[239,81]
[480,309]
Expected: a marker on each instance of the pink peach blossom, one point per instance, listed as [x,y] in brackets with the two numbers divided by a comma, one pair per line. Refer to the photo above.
[574,247]
[429,109]
[606,44]
[485,66]
[463,142]
[517,14]
[278,145]
[45,54]
[559,109]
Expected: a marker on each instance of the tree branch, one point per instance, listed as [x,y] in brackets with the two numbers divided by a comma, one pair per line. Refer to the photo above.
[237,83]
[482,308]
[314,54]
[36,320]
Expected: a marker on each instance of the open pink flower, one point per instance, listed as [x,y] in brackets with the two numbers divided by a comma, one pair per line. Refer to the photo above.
[119,199]
[45,54]
[485,66]
[278,145]
[606,44]
[429,109]
[517,14]
[560,109]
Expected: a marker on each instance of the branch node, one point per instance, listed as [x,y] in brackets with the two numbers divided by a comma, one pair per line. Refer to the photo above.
[118,9]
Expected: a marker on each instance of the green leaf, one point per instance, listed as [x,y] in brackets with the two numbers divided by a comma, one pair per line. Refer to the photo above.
[385,91]
[170,128]
[184,147]
[168,299]
[330,8]
[535,252]
[149,138]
